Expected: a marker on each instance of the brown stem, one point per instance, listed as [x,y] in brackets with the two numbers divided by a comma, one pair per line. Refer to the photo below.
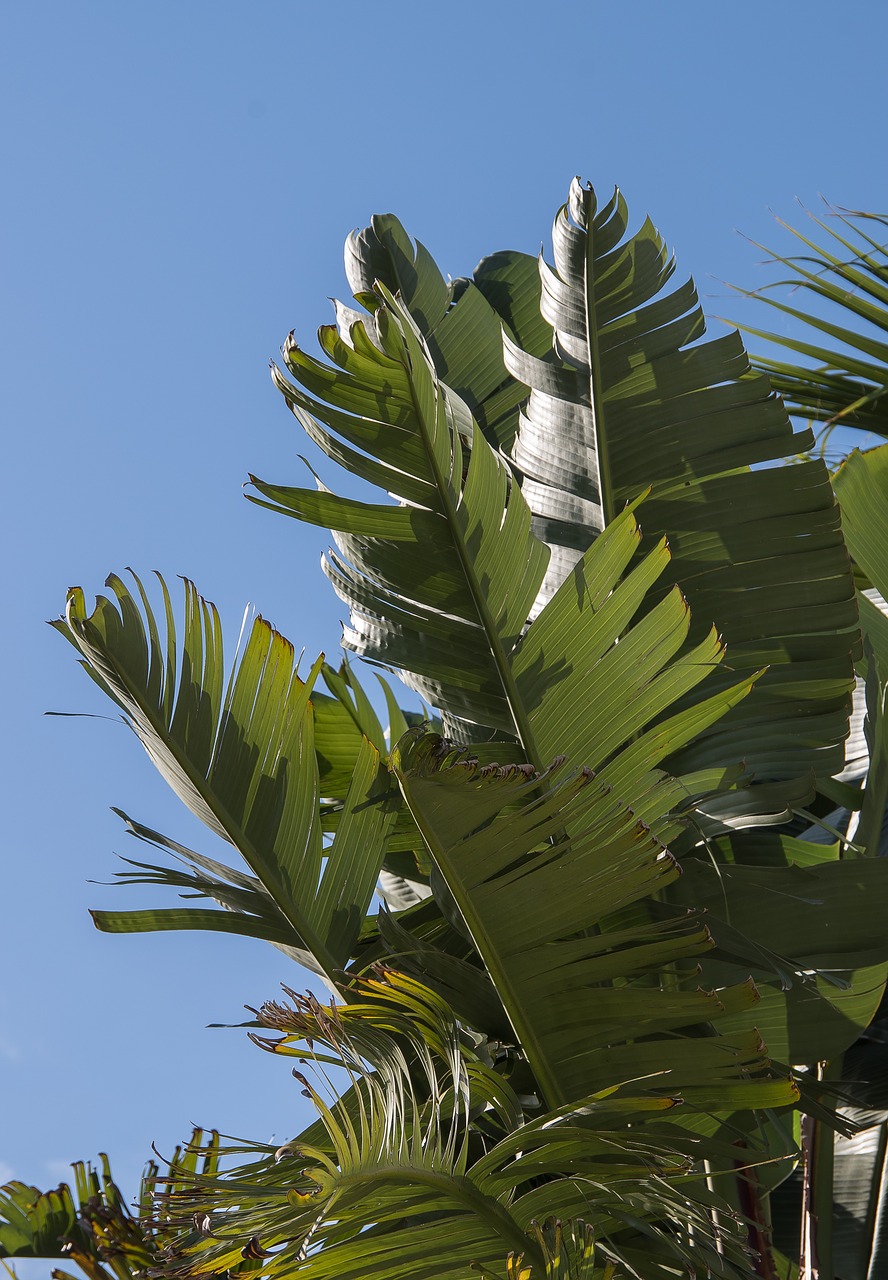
[758,1229]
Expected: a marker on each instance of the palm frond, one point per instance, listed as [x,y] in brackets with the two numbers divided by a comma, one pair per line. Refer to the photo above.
[844,378]
[462,321]
[442,591]
[627,397]
[240,753]
[91,1226]
[545,875]
[630,397]
[861,485]
[401,1151]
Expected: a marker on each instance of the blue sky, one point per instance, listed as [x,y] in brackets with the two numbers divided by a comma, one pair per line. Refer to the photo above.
[180,179]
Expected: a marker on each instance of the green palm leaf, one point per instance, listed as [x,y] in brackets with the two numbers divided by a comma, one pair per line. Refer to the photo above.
[341,722]
[861,484]
[442,591]
[250,910]
[811,931]
[401,1151]
[462,321]
[624,401]
[630,397]
[91,1226]
[545,877]
[241,755]
[844,379]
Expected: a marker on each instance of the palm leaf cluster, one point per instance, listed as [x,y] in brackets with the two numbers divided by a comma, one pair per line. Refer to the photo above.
[425,1146]
[92,1227]
[567,1039]
[627,397]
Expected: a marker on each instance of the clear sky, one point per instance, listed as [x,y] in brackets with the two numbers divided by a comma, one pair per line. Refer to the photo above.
[179,181]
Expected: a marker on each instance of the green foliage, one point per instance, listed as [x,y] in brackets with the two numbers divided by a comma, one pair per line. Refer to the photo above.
[431,1146]
[92,1227]
[639,646]
[625,398]
[844,378]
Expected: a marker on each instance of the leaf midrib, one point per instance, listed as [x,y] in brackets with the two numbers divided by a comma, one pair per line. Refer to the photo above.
[501,660]
[457,1187]
[530,1042]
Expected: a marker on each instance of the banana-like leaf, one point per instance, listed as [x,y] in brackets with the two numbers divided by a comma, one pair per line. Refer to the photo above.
[828,917]
[543,874]
[861,484]
[813,936]
[241,755]
[342,720]
[860,1228]
[442,590]
[691,419]
[844,378]
[858,1232]
[462,321]
[401,1151]
[630,397]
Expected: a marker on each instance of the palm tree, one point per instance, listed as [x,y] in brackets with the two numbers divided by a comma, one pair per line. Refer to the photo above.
[553,1038]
